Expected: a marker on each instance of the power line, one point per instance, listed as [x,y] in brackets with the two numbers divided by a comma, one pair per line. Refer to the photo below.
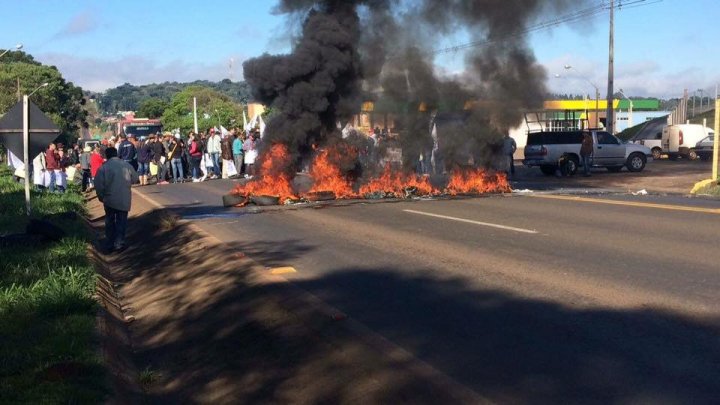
[578,15]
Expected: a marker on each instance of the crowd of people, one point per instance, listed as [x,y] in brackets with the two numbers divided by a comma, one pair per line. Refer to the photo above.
[159,158]
[56,167]
[167,158]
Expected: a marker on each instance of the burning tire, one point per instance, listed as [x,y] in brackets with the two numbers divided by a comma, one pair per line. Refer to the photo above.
[232,200]
[264,200]
[320,196]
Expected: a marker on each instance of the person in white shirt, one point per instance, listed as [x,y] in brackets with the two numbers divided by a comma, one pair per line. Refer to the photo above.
[214,149]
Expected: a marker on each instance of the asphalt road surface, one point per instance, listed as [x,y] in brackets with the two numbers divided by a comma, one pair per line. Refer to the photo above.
[534,298]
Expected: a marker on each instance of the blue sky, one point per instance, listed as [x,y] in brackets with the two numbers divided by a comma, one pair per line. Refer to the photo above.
[661,48]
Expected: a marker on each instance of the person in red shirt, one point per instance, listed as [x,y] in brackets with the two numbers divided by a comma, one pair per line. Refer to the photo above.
[96,160]
[52,163]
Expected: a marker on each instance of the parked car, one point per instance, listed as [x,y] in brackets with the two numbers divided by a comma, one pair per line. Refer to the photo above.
[546,149]
[680,140]
[654,143]
[704,148]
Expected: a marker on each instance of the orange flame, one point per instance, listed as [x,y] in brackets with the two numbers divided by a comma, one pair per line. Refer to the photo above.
[477,181]
[274,178]
[394,182]
[327,175]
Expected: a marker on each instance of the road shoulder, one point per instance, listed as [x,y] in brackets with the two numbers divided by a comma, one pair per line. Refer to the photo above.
[207,324]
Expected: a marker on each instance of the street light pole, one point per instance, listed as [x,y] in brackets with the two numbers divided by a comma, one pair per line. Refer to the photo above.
[26,151]
[597,97]
[701,91]
[17,48]
[38,88]
[26,144]
[611,71]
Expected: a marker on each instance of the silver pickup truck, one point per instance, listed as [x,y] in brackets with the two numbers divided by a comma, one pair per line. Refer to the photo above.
[549,149]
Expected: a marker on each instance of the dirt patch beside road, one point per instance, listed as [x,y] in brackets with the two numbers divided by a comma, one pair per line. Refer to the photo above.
[210,326]
[662,176]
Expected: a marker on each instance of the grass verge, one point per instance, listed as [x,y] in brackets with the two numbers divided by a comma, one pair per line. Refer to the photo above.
[48,344]
[712,189]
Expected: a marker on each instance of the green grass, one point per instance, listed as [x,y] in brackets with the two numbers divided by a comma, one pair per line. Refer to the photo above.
[628,133]
[712,189]
[48,344]
[698,119]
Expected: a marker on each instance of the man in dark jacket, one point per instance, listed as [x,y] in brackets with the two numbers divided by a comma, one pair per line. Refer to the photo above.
[126,150]
[112,185]
[159,158]
[226,153]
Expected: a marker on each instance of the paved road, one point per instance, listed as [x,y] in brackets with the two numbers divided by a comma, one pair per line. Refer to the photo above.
[542,298]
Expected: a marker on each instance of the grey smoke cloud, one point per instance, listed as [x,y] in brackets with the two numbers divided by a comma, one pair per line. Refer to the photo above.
[84,22]
[347,45]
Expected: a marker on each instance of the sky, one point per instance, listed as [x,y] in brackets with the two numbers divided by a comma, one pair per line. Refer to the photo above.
[660,48]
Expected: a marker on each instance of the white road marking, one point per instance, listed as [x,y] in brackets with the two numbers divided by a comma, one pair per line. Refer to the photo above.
[469,221]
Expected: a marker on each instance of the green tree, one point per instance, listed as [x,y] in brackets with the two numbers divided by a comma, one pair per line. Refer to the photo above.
[213,109]
[62,101]
[152,108]
[129,98]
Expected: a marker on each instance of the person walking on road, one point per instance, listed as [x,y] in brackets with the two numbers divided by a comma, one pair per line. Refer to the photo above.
[112,185]
[509,148]
[586,150]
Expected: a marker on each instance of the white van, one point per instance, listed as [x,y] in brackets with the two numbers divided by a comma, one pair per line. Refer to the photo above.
[680,140]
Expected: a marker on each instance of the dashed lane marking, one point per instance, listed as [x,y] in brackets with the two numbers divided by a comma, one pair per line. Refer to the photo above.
[470,221]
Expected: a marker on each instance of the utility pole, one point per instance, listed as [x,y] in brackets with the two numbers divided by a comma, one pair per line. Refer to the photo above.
[611,73]
[702,96]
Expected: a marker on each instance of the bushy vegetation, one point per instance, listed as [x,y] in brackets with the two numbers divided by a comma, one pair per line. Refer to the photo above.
[61,100]
[711,189]
[48,343]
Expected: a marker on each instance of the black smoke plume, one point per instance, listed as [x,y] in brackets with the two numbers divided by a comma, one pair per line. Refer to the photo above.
[349,51]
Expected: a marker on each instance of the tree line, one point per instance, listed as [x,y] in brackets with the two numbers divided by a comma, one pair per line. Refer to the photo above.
[128,97]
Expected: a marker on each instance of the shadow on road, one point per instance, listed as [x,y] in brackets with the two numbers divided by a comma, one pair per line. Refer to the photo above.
[212,330]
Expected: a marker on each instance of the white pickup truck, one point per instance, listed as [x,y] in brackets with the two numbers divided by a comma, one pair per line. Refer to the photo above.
[654,143]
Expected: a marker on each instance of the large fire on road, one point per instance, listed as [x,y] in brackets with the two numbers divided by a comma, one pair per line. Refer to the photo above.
[330,181]
[346,52]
